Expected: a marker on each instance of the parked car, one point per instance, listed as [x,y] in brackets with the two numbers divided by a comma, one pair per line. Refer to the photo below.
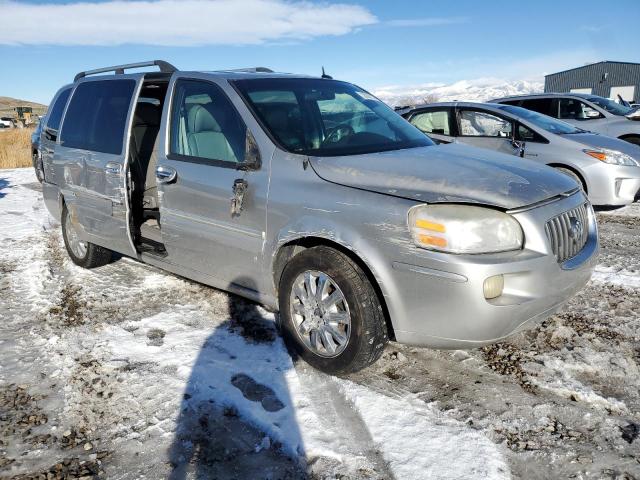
[6,122]
[314,198]
[608,169]
[589,112]
[36,156]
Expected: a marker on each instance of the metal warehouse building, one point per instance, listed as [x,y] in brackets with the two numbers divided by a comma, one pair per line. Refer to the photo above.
[607,79]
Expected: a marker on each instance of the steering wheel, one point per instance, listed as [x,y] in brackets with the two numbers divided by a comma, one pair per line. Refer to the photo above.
[338,132]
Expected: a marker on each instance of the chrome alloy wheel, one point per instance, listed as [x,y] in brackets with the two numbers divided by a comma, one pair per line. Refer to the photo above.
[320,313]
[77,246]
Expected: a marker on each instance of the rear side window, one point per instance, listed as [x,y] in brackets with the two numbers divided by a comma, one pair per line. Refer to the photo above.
[205,125]
[97,115]
[54,117]
[433,121]
[540,105]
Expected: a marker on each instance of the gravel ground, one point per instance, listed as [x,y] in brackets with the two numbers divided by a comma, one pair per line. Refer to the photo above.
[127,372]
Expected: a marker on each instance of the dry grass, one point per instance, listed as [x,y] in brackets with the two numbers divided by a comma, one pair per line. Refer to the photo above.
[15,148]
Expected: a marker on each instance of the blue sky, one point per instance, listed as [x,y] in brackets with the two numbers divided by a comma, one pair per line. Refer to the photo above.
[374,44]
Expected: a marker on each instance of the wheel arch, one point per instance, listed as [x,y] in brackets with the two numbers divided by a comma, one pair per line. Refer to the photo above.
[627,136]
[575,170]
[291,248]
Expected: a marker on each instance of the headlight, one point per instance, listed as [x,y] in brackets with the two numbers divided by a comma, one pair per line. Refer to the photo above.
[464,229]
[612,156]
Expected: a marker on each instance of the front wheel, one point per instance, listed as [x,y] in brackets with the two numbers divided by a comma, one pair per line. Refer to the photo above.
[84,254]
[331,315]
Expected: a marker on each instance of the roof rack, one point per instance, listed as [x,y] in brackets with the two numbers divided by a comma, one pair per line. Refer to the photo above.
[165,67]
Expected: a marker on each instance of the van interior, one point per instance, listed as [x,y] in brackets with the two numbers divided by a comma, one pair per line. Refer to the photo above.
[142,160]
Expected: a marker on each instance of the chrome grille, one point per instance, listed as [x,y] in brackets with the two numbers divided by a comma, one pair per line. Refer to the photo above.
[568,232]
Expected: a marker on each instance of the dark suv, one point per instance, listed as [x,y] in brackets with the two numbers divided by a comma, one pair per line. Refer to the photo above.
[589,112]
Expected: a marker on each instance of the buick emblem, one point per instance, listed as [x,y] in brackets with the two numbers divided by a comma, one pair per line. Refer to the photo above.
[576,229]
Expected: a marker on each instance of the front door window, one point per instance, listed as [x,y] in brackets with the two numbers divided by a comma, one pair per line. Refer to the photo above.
[433,121]
[205,126]
[474,123]
[572,109]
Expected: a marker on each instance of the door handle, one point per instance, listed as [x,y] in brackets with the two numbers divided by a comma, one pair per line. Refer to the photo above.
[166,174]
[113,168]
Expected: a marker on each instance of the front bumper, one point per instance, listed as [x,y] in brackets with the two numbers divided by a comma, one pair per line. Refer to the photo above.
[442,304]
[612,184]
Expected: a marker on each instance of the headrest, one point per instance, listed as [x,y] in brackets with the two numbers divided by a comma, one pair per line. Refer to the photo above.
[147,114]
[200,119]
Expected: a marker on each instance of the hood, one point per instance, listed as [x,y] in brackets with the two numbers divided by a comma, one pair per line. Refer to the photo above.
[447,173]
[602,141]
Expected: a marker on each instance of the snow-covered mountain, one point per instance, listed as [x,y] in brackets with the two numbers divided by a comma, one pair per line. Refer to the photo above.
[479,90]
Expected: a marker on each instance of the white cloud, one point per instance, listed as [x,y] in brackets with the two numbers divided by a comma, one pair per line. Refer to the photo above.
[426,22]
[176,22]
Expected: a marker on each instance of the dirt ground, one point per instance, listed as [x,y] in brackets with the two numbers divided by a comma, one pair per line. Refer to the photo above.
[127,372]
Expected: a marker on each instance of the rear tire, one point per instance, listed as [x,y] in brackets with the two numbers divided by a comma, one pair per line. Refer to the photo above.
[573,175]
[83,254]
[366,334]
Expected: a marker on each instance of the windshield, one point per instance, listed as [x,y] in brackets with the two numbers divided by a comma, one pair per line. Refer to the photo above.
[610,106]
[322,117]
[542,121]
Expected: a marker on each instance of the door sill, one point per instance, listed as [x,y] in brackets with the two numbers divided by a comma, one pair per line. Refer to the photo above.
[149,246]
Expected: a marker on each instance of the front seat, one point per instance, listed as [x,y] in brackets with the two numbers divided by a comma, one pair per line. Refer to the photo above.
[144,134]
[204,135]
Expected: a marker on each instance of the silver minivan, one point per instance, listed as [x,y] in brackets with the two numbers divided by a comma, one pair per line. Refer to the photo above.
[607,168]
[314,198]
[586,111]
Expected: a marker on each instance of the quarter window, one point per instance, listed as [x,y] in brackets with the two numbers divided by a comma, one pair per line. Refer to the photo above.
[205,125]
[483,124]
[97,116]
[433,121]
[526,134]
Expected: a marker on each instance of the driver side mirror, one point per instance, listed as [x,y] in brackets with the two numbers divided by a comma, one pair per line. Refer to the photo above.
[519,145]
[593,114]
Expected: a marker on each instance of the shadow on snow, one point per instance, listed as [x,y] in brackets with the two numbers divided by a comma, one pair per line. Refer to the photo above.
[237,418]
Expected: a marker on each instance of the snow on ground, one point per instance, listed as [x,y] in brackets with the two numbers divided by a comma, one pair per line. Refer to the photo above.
[143,366]
[128,372]
[479,90]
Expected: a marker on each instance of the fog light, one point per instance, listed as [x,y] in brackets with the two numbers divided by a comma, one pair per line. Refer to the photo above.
[493,287]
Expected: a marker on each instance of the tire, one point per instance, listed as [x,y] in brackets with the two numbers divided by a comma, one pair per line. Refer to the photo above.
[83,254]
[635,139]
[367,334]
[573,175]
[36,167]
